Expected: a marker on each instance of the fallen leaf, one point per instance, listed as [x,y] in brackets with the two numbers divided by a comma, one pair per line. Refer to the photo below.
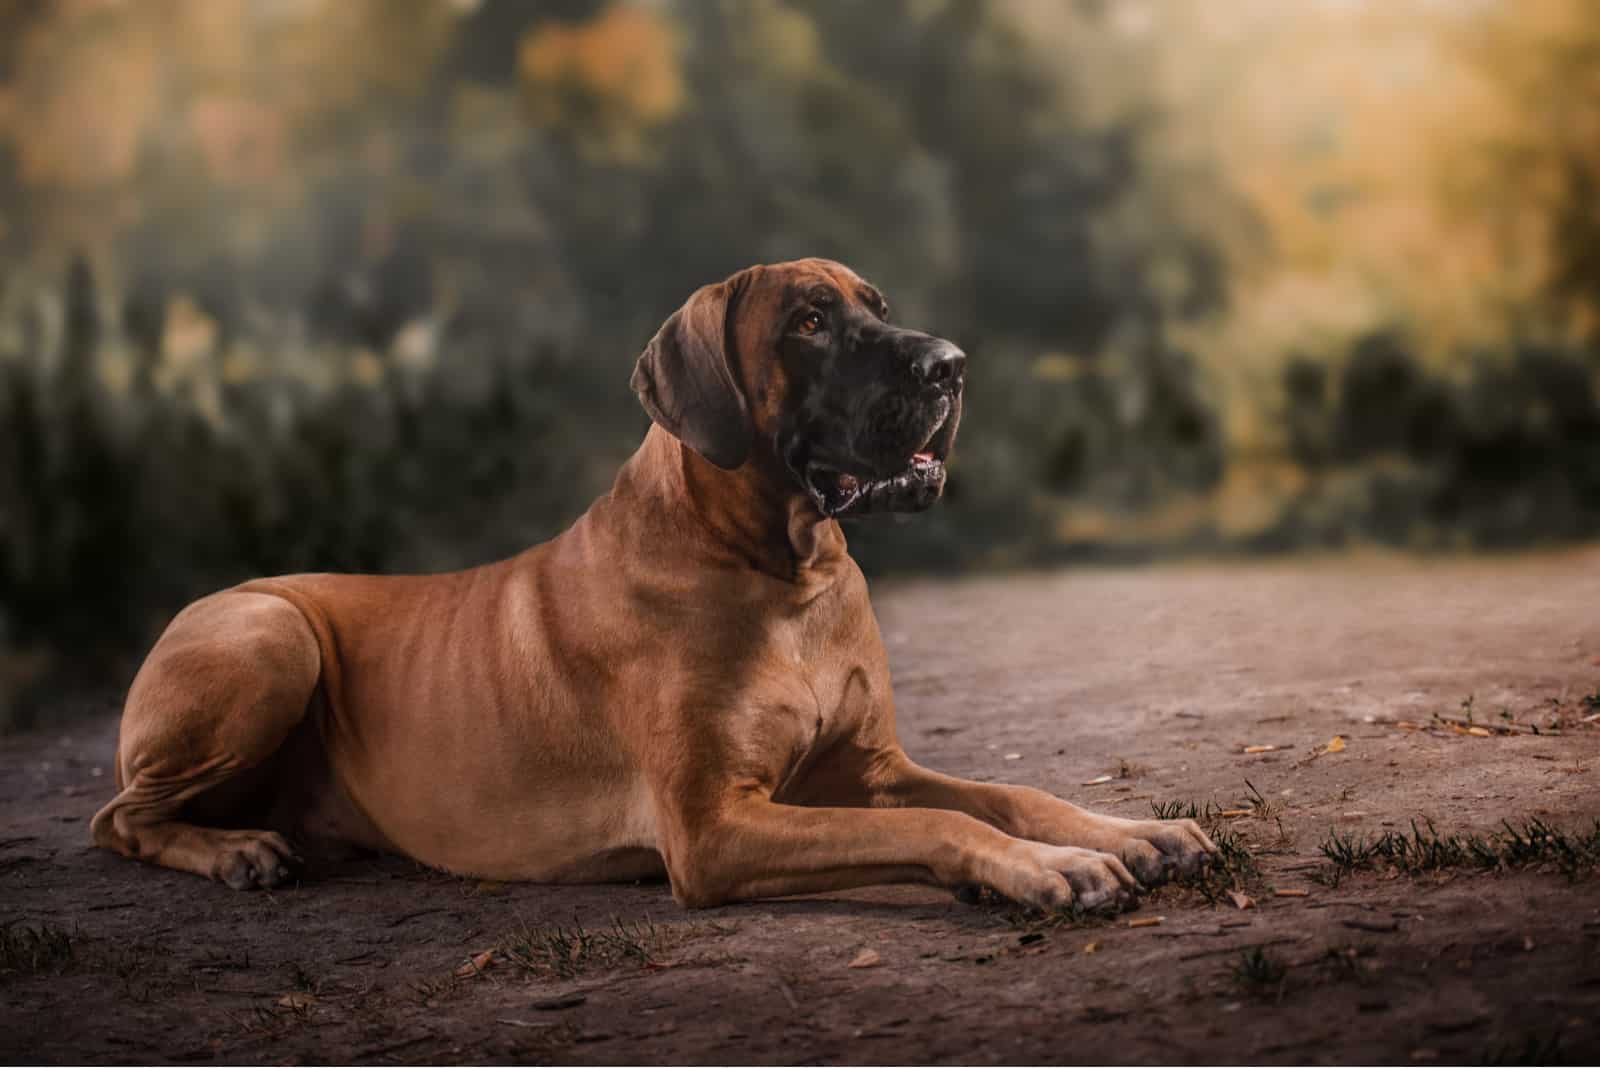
[1291,893]
[1148,921]
[1337,745]
[1260,748]
[478,963]
[1243,901]
[867,958]
[297,999]
[1092,947]
[1478,732]
[491,888]
[1099,781]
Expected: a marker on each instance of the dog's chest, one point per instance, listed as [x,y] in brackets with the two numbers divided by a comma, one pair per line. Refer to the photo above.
[836,677]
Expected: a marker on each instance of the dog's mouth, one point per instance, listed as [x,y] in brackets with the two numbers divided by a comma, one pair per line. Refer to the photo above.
[838,493]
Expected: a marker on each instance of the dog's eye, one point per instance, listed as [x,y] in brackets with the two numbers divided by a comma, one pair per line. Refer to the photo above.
[809,323]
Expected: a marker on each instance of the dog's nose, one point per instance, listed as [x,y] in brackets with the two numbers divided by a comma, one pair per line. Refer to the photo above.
[939,364]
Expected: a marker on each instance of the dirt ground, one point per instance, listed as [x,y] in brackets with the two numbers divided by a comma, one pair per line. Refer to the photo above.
[1158,677]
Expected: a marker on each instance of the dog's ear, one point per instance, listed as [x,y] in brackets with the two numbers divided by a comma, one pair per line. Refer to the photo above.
[687,378]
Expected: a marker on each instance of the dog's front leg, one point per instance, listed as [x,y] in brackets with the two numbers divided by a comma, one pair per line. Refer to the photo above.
[744,845]
[1152,849]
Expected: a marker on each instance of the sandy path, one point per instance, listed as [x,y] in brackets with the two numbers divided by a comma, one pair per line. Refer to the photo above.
[1050,680]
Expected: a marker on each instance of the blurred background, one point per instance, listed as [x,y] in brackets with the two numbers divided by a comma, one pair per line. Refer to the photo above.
[357,284]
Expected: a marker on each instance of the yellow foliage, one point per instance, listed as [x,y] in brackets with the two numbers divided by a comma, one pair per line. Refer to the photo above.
[241,140]
[623,64]
[1404,158]
[83,94]
[1058,367]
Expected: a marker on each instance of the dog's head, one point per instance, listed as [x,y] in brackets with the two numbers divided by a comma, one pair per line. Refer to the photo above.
[796,367]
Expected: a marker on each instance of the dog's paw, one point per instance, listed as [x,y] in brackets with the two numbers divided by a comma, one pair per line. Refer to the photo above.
[1056,877]
[1156,850]
[255,860]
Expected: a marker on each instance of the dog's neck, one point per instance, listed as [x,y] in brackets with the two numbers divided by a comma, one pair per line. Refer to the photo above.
[753,513]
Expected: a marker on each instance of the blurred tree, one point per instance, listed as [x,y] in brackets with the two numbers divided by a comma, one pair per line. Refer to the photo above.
[1537,152]
[354,283]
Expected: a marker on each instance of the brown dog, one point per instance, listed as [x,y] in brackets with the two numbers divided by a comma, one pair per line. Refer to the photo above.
[688,681]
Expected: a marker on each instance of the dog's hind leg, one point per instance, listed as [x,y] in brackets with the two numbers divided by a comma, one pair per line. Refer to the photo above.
[223,688]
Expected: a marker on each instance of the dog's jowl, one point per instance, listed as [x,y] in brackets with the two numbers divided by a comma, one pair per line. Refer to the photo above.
[689,681]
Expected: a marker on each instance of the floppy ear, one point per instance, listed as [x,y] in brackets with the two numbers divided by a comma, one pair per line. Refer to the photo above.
[686,377]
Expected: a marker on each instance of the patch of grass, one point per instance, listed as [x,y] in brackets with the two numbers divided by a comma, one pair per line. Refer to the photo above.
[1345,963]
[1260,973]
[275,1019]
[1346,852]
[1181,810]
[1426,850]
[429,992]
[1260,807]
[302,981]
[28,950]
[1536,842]
[1537,1047]
[1233,867]
[1028,921]
[33,950]
[1233,859]
[565,952]
[143,975]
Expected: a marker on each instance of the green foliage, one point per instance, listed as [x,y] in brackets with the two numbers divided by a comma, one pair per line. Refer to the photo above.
[1259,972]
[1426,850]
[1503,454]
[401,337]
[118,507]
[26,950]
[565,952]
[372,304]
[1541,1046]
[1176,810]
[1233,866]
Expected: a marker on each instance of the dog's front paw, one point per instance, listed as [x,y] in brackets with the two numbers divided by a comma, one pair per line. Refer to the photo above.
[254,860]
[1055,877]
[1155,850]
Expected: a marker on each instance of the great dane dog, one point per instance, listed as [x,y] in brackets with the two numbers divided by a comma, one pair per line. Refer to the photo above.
[688,682]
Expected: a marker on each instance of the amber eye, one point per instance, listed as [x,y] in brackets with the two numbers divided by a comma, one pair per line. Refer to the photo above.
[809,323]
